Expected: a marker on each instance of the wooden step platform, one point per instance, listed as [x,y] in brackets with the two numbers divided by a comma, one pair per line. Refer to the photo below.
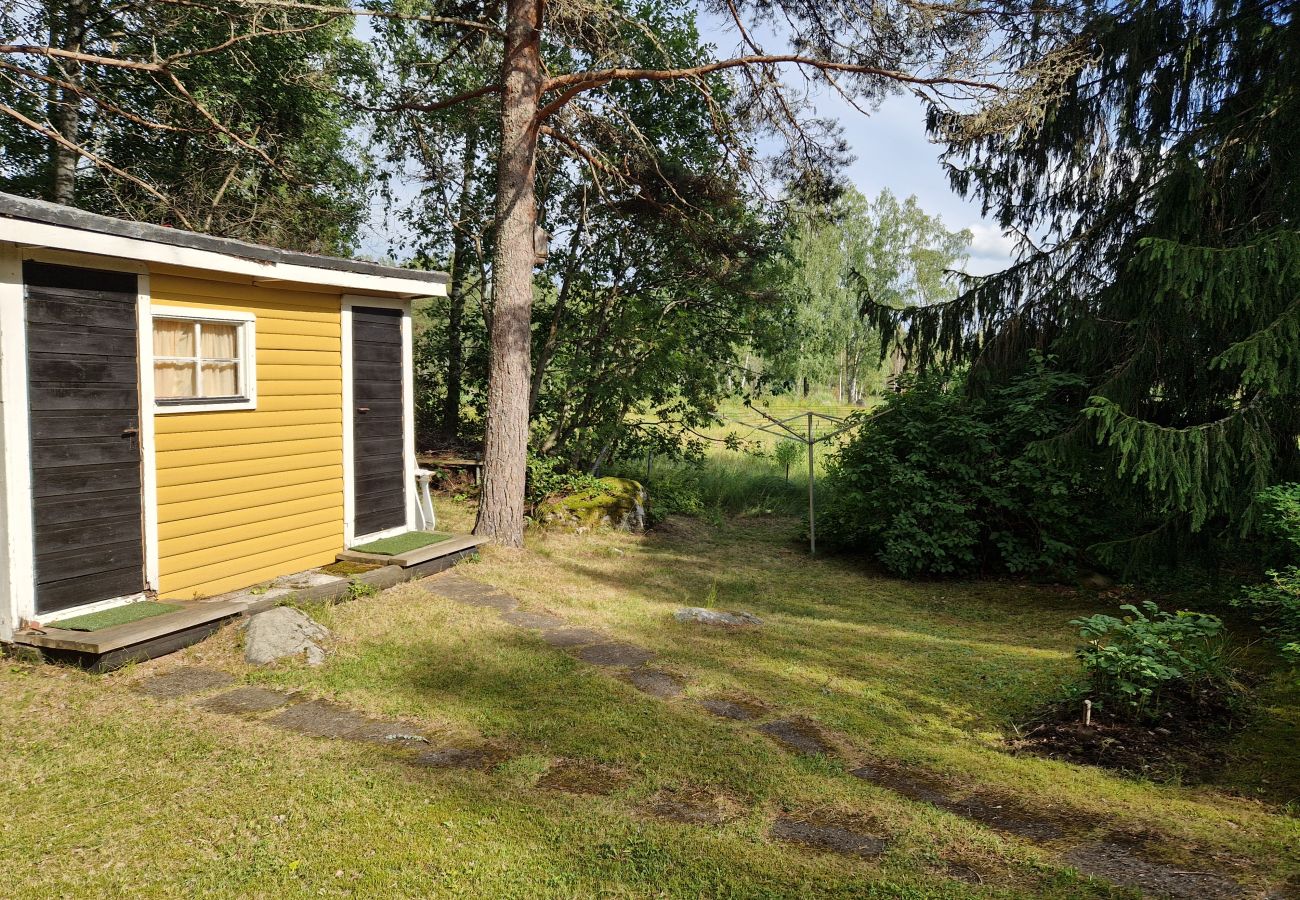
[112,648]
[450,547]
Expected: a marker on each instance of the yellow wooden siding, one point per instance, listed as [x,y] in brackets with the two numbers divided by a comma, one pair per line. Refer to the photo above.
[246,495]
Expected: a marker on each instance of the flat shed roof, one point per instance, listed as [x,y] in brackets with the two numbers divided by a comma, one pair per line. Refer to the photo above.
[41,213]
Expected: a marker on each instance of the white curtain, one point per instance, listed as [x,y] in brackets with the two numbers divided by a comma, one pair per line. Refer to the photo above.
[177,365]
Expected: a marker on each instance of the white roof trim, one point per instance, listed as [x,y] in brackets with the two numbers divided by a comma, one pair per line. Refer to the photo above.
[27,233]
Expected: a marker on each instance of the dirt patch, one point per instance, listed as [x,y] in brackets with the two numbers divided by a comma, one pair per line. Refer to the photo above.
[321,718]
[344,568]
[826,837]
[798,735]
[693,806]
[1124,864]
[573,637]
[477,758]
[576,776]
[539,621]
[989,809]
[183,682]
[247,700]
[614,654]
[1157,752]
[740,710]
[656,683]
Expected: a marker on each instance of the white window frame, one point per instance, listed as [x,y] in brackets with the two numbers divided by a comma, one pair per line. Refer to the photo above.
[246,323]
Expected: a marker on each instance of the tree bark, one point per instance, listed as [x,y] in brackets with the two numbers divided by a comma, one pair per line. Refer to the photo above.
[65,102]
[461,250]
[505,448]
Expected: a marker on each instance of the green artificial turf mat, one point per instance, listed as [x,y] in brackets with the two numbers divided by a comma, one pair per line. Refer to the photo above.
[118,615]
[403,543]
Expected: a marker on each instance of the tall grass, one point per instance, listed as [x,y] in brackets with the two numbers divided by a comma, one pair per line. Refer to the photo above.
[725,483]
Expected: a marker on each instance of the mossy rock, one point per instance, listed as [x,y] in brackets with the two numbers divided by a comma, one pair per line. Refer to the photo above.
[618,503]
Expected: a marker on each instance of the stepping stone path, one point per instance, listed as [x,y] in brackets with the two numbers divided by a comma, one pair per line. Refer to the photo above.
[1116,859]
[247,700]
[576,776]
[733,709]
[573,637]
[479,758]
[537,621]
[183,682]
[656,683]
[613,653]
[801,737]
[826,837]
[693,806]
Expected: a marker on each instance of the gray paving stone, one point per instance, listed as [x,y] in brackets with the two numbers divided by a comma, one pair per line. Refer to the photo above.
[184,682]
[539,621]
[247,700]
[797,736]
[573,637]
[478,758]
[656,683]
[730,709]
[826,837]
[613,654]
[469,592]
[320,718]
[400,735]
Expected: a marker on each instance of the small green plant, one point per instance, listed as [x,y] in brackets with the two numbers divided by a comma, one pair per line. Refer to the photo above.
[1275,604]
[358,589]
[785,453]
[1152,663]
[547,478]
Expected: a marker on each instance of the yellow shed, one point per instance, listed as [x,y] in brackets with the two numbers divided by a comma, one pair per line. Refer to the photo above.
[185,416]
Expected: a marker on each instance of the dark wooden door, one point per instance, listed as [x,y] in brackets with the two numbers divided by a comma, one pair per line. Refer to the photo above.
[378,423]
[84,401]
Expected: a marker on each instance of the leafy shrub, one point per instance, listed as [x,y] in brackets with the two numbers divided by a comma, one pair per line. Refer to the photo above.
[547,478]
[674,492]
[1279,519]
[1152,663]
[1275,604]
[944,482]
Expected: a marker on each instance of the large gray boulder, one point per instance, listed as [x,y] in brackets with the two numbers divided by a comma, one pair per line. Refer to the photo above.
[281,632]
[698,615]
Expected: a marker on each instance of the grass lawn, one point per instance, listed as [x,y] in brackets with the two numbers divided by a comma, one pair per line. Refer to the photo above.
[112,793]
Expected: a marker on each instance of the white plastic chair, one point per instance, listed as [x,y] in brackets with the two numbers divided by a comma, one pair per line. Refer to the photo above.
[423,500]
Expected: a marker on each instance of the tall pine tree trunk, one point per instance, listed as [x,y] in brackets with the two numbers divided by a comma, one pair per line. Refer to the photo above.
[67,32]
[460,270]
[505,450]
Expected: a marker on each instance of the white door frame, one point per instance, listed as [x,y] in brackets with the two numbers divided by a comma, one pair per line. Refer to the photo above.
[17,548]
[350,301]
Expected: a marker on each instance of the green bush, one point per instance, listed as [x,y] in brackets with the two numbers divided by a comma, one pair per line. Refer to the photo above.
[944,482]
[1152,663]
[548,478]
[1279,520]
[674,492]
[1275,604]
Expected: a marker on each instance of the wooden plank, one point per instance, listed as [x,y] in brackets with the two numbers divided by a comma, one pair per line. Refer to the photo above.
[63,310]
[54,566]
[42,367]
[78,509]
[130,633]
[59,595]
[48,396]
[61,481]
[422,555]
[62,340]
[49,275]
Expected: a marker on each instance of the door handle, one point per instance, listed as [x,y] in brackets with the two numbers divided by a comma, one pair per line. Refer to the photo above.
[363,409]
[130,432]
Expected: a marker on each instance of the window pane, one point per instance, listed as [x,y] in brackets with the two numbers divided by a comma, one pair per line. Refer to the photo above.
[173,379]
[220,379]
[219,341]
[173,338]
